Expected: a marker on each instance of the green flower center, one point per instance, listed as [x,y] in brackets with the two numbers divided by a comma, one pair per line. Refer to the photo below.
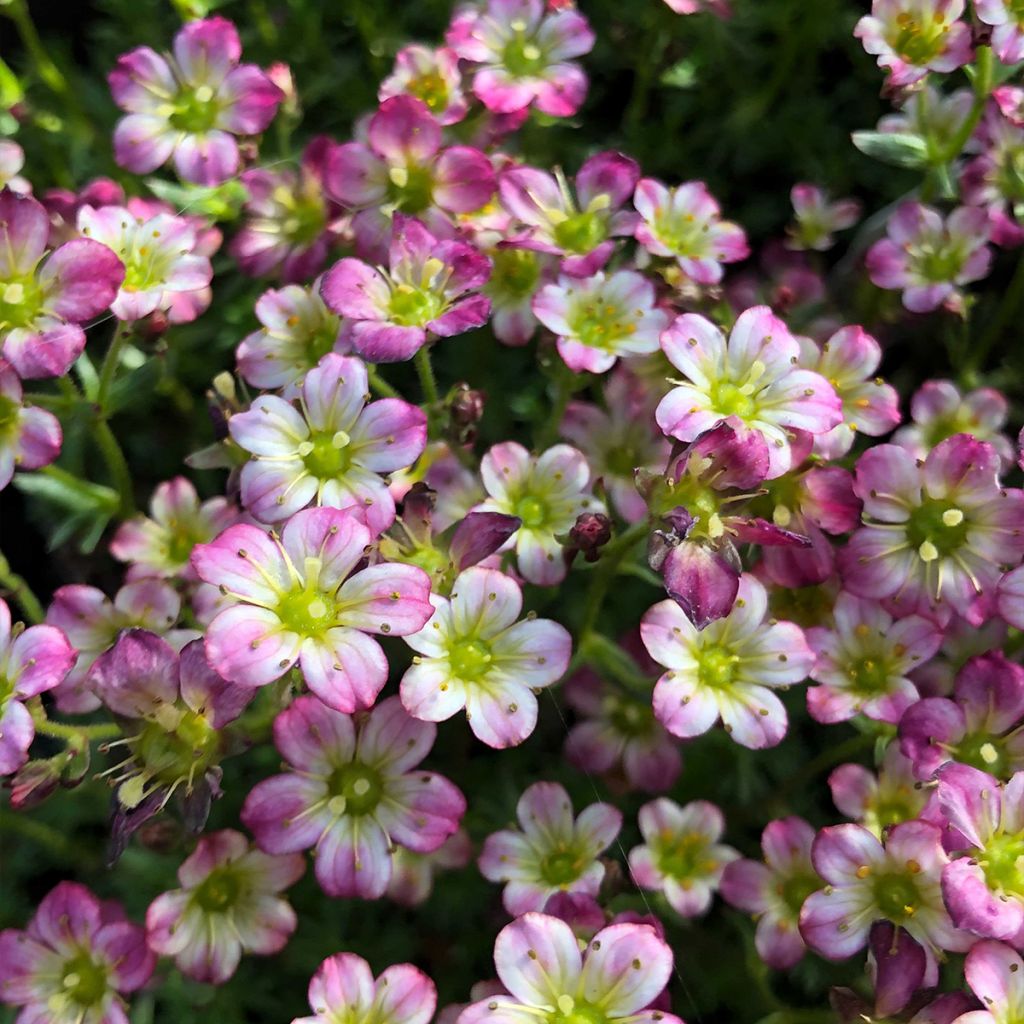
[869,675]
[601,326]
[683,235]
[321,340]
[522,56]
[581,233]
[470,660]
[576,1011]
[686,857]
[937,528]
[985,752]
[85,981]
[305,214]
[195,111]
[532,511]
[327,456]
[794,890]
[355,789]
[937,259]
[307,612]
[181,539]
[20,302]
[716,667]
[414,307]
[180,752]
[412,188]
[220,890]
[515,274]
[431,89]
[562,866]
[730,399]
[1003,864]
[900,804]
[897,897]
[915,41]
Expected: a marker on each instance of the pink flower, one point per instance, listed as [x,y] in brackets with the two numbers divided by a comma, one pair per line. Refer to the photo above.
[228,904]
[190,106]
[550,852]
[580,229]
[92,623]
[289,227]
[431,76]
[984,886]
[863,661]
[352,794]
[158,256]
[995,974]
[516,275]
[1007,23]
[474,654]
[726,671]
[685,223]
[775,891]
[161,544]
[43,303]
[619,733]
[618,439]
[12,159]
[297,599]
[990,180]
[431,288]
[29,437]
[928,257]
[866,882]
[344,988]
[880,801]
[849,362]
[752,376]
[939,411]
[298,331]
[540,964]
[332,450]
[32,661]
[546,493]
[817,218]
[172,709]
[936,535]
[681,855]
[981,726]
[601,318]
[912,37]
[521,56]
[403,167]
[75,962]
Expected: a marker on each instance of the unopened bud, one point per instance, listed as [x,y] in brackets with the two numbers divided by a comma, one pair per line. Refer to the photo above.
[33,783]
[590,533]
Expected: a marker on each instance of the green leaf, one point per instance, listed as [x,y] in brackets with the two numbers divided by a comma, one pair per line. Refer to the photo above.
[682,75]
[901,149]
[221,202]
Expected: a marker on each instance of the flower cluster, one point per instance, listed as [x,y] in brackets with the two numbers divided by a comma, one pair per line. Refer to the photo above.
[679,510]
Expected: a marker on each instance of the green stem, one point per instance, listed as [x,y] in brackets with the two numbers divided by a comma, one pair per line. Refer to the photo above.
[611,559]
[428,382]
[379,384]
[117,465]
[982,87]
[21,592]
[17,11]
[62,731]
[111,361]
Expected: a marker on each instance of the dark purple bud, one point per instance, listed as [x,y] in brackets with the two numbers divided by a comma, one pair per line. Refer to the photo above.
[418,513]
[680,521]
[33,783]
[479,535]
[124,823]
[590,533]
[467,406]
[195,805]
[899,967]
[701,581]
